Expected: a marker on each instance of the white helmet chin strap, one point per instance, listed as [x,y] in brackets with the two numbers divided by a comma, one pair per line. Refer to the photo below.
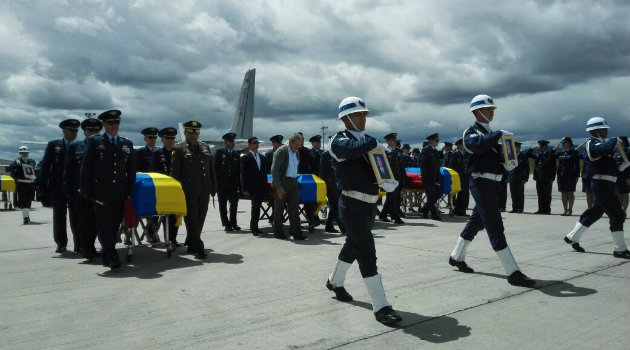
[483,116]
[347,116]
[602,139]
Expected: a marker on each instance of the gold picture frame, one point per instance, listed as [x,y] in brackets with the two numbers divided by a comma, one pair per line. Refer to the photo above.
[380,166]
[509,150]
[29,171]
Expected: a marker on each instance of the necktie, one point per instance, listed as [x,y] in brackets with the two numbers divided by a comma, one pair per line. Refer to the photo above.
[114,141]
[257,160]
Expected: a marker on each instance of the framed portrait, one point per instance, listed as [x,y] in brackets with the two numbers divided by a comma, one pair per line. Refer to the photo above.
[29,172]
[380,166]
[509,150]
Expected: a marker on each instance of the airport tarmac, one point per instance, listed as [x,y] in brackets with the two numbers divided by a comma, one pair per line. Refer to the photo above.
[265,293]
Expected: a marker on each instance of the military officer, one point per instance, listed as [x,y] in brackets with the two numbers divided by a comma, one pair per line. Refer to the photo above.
[406,156]
[227,167]
[445,153]
[430,168]
[327,173]
[458,162]
[276,141]
[23,171]
[568,173]
[50,183]
[71,179]
[144,157]
[161,163]
[391,206]
[604,171]
[544,174]
[108,175]
[357,208]
[486,170]
[415,158]
[517,178]
[316,152]
[193,166]
[254,169]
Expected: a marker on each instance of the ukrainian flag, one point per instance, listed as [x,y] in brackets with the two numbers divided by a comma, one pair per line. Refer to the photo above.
[158,194]
[7,183]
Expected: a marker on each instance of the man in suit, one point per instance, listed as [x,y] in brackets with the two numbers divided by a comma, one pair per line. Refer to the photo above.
[284,171]
[544,174]
[226,165]
[161,163]
[108,175]
[457,162]
[254,181]
[192,166]
[71,179]
[276,142]
[50,184]
[430,168]
[144,156]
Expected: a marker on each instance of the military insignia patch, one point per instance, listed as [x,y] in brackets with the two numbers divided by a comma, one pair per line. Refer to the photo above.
[57,149]
[126,149]
[194,123]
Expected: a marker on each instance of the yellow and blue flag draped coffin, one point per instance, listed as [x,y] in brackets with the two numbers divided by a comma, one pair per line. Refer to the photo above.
[7,183]
[312,189]
[158,194]
[449,179]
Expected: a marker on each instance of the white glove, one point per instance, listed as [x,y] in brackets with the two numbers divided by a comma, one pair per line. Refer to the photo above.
[511,166]
[506,133]
[384,147]
[389,186]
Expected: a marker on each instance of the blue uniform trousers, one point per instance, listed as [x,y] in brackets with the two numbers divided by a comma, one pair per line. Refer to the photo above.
[605,200]
[543,189]
[108,217]
[357,217]
[486,213]
[225,196]
[517,190]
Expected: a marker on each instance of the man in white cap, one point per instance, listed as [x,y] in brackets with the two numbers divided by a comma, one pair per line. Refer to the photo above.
[357,207]
[22,170]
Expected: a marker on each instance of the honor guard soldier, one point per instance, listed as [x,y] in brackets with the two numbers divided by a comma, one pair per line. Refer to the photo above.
[71,179]
[108,175]
[227,167]
[604,172]
[144,157]
[254,169]
[327,173]
[23,171]
[517,178]
[50,183]
[357,207]
[486,170]
[391,206]
[430,168]
[544,174]
[458,162]
[193,167]
[568,173]
[161,163]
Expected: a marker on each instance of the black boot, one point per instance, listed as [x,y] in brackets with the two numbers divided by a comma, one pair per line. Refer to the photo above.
[461,265]
[519,279]
[340,292]
[387,315]
[576,246]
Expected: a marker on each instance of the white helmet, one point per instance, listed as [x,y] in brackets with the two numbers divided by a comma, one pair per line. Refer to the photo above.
[596,123]
[351,105]
[481,101]
[23,149]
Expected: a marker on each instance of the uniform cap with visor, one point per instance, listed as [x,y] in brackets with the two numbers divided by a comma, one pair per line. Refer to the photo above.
[351,105]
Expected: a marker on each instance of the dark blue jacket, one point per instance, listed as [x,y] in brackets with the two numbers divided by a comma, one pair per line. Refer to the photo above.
[484,150]
[430,165]
[227,169]
[520,174]
[544,165]
[108,172]
[144,157]
[161,161]
[72,168]
[51,173]
[601,156]
[568,164]
[352,166]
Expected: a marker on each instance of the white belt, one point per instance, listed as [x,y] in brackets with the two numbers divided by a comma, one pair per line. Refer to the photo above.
[489,176]
[605,177]
[25,181]
[363,197]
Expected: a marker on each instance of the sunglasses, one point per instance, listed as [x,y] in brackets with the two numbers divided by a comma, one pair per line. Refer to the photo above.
[112,122]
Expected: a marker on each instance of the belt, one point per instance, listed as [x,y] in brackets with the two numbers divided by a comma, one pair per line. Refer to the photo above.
[605,178]
[489,176]
[363,197]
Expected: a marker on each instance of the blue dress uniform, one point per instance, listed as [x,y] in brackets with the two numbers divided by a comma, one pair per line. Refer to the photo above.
[50,183]
[568,169]
[544,175]
[517,178]
[316,154]
[71,180]
[391,206]
[603,173]
[227,167]
[357,209]
[458,162]
[108,175]
[430,168]
[24,184]
[161,163]
[486,168]
[327,173]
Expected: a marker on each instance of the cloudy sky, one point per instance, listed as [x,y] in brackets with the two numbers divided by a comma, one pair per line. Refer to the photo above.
[549,65]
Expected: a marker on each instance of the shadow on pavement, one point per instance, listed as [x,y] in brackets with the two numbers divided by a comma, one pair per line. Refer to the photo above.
[440,329]
[552,288]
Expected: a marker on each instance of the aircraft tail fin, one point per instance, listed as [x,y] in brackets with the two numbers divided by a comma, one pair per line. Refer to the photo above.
[243,124]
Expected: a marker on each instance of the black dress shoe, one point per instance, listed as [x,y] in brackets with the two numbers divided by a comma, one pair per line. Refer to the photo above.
[402,215]
[331,230]
[461,265]
[513,211]
[236,227]
[387,315]
[311,227]
[299,237]
[115,265]
[228,228]
[519,279]
[176,244]
[384,219]
[25,221]
[201,254]
[256,232]
[576,246]
[191,250]
[436,217]
[623,255]
[399,221]
[340,292]
[60,249]
[280,236]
